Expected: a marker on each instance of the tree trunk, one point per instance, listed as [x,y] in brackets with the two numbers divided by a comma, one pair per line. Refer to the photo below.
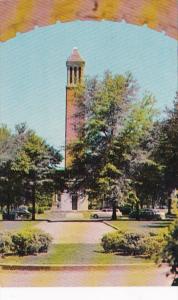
[141,204]
[8,208]
[169,206]
[33,203]
[8,203]
[114,212]
[137,212]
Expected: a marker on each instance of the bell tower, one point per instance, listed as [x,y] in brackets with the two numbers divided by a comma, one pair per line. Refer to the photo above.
[75,75]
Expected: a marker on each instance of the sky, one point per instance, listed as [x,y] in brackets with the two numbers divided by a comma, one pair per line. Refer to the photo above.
[33,69]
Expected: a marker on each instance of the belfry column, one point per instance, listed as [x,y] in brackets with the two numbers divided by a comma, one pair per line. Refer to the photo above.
[77,201]
[74,62]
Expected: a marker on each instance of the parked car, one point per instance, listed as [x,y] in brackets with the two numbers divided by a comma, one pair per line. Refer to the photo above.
[105,213]
[148,214]
[17,214]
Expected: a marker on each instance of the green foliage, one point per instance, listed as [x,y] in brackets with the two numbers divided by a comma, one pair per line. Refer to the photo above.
[112,138]
[25,243]
[4,133]
[129,243]
[110,241]
[28,169]
[5,243]
[170,252]
[166,150]
[30,242]
[44,240]
[125,208]
[43,197]
[40,210]
[36,209]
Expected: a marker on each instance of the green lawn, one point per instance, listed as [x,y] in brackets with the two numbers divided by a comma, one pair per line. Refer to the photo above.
[141,226]
[81,253]
[18,225]
[74,254]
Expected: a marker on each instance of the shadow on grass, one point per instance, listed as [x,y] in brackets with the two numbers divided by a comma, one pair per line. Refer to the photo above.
[159,225]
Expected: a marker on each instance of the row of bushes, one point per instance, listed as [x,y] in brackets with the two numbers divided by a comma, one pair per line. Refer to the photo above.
[128,243]
[39,209]
[24,242]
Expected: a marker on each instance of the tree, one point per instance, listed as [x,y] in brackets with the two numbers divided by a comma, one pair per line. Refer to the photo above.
[170,250]
[36,162]
[10,189]
[112,128]
[27,164]
[166,152]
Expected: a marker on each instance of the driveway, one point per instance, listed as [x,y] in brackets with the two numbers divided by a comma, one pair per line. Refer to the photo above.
[75,232]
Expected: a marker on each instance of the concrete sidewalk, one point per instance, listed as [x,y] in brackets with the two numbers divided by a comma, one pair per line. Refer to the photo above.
[75,232]
[121,276]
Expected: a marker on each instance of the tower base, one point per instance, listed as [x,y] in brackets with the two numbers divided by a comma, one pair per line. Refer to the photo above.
[73,202]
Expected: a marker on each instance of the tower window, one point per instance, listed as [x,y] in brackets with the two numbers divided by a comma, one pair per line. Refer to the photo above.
[70,75]
[80,74]
[75,75]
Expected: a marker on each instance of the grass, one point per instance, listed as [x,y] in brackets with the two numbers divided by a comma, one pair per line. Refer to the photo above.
[66,254]
[141,226]
[16,225]
[81,253]
[20,224]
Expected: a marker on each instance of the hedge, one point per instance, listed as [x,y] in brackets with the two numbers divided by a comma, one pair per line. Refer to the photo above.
[24,242]
[130,243]
[5,243]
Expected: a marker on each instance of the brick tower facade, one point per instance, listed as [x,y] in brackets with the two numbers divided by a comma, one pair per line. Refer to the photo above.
[70,201]
[75,75]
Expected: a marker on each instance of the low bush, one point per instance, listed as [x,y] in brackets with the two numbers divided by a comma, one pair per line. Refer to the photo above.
[46,208]
[170,251]
[41,210]
[125,209]
[154,244]
[5,243]
[129,243]
[30,209]
[45,241]
[30,242]
[25,242]
[111,241]
[38,209]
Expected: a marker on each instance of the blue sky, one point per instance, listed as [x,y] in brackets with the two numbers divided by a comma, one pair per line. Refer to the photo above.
[33,70]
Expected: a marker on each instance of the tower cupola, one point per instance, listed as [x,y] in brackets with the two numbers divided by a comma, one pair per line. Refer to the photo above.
[75,68]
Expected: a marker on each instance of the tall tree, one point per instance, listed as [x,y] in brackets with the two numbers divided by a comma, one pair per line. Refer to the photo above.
[27,163]
[112,128]
[36,162]
[166,152]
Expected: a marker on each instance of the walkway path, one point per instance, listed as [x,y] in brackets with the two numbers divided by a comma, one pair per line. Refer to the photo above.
[123,276]
[75,232]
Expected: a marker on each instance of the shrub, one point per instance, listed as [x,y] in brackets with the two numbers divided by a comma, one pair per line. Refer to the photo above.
[170,251]
[5,243]
[133,244]
[46,208]
[41,210]
[30,242]
[111,241]
[25,242]
[30,209]
[125,209]
[45,241]
[129,243]
[154,244]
